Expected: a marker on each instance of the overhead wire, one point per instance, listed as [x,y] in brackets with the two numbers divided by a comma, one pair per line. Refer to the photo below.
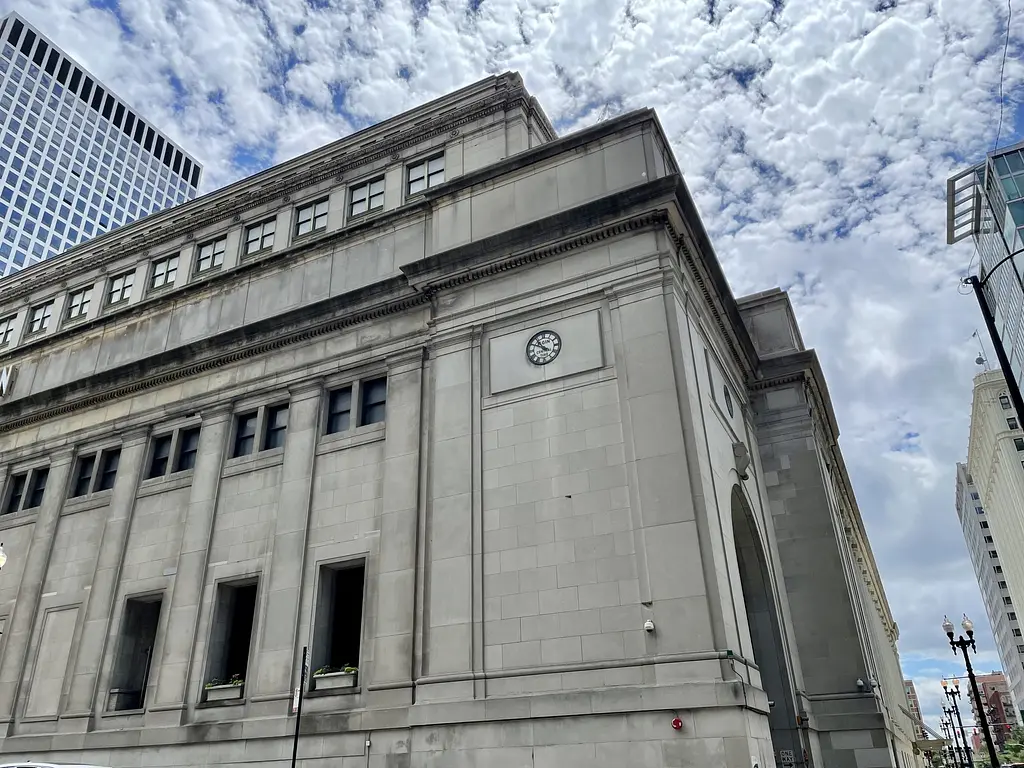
[1002,69]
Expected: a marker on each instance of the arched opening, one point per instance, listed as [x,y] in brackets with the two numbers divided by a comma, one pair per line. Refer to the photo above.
[764,626]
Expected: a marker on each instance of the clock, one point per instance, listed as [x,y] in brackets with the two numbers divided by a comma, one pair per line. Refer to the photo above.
[543,347]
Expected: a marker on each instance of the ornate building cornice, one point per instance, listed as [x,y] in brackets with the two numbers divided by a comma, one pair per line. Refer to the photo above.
[154,231]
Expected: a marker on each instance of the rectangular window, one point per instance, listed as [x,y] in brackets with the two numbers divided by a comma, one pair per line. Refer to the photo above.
[374,397]
[233,614]
[1011,423]
[1002,585]
[1017,632]
[211,255]
[1020,649]
[984,523]
[988,539]
[310,218]
[39,317]
[160,456]
[339,410]
[83,476]
[426,174]
[367,197]
[260,236]
[134,659]
[975,496]
[277,426]
[998,568]
[1007,600]
[1005,402]
[992,553]
[1011,616]
[108,469]
[15,492]
[120,288]
[6,329]
[339,617]
[36,487]
[188,447]
[78,303]
[245,434]
[164,272]
[1018,443]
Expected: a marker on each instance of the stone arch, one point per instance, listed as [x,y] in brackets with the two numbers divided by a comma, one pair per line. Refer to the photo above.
[764,628]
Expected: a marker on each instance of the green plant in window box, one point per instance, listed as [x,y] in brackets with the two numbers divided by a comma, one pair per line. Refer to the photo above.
[234,680]
[330,677]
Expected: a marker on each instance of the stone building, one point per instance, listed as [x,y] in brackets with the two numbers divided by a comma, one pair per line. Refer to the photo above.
[468,410]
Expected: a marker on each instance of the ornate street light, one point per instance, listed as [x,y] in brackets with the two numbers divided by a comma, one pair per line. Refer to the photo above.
[953,694]
[961,644]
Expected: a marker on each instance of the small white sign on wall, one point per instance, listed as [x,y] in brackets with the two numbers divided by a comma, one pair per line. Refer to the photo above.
[7,380]
[786,758]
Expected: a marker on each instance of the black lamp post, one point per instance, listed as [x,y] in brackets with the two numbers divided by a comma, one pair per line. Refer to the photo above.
[953,694]
[957,749]
[960,644]
[948,755]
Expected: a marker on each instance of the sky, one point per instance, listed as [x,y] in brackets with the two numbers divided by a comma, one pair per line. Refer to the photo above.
[815,135]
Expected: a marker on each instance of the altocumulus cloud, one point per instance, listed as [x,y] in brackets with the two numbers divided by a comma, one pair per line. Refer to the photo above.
[816,136]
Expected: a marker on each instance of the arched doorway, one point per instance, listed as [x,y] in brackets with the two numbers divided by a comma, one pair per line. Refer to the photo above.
[764,626]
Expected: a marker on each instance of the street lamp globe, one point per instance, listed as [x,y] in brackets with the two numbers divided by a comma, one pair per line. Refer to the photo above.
[968,625]
[947,626]
[943,683]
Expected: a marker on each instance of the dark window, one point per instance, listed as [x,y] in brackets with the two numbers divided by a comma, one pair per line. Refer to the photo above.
[97,97]
[37,487]
[177,162]
[233,615]
[51,63]
[187,169]
[76,78]
[1002,585]
[15,32]
[1007,600]
[339,410]
[1018,443]
[188,446]
[1012,616]
[988,539]
[992,553]
[140,129]
[86,88]
[26,43]
[15,492]
[108,106]
[62,73]
[339,616]
[40,53]
[975,496]
[245,434]
[168,152]
[108,469]
[998,568]
[374,397]
[159,146]
[1017,632]
[83,476]
[161,454]
[134,657]
[277,425]
[148,143]
[1005,402]
[119,115]
[984,523]
[195,175]
[1011,423]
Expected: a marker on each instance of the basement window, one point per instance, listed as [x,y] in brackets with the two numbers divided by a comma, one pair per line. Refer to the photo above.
[339,616]
[234,611]
[134,654]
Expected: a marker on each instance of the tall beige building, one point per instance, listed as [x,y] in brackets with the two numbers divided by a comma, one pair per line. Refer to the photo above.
[468,410]
[990,504]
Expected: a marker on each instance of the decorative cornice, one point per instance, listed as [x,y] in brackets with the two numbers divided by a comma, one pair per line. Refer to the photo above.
[169,227]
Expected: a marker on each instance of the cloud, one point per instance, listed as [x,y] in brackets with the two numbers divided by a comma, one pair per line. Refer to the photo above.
[816,136]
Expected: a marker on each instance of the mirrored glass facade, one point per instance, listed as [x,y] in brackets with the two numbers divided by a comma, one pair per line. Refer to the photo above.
[75,160]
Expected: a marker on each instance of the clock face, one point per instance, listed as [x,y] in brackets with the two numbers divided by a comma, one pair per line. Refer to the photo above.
[543,347]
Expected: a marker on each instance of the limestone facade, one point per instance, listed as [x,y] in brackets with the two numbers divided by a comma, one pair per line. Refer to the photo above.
[334,437]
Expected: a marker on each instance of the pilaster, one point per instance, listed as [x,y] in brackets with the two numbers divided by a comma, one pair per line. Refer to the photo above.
[13,667]
[186,592]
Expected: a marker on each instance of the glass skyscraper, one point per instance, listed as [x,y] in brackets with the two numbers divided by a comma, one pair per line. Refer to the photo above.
[986,203]
[75,160]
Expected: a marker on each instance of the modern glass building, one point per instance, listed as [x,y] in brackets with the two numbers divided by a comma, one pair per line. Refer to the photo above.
[986,203]
[75,160]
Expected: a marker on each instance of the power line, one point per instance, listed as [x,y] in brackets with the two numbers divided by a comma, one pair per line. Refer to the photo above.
[1002,67]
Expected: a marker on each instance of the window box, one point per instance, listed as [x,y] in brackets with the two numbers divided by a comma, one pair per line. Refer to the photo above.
[217,691]
[121,699]
[338,680]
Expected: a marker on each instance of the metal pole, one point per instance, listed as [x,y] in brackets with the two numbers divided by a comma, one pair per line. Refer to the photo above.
[993,756]
[963,734]
[298,708]
[957,749]
[997,343]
